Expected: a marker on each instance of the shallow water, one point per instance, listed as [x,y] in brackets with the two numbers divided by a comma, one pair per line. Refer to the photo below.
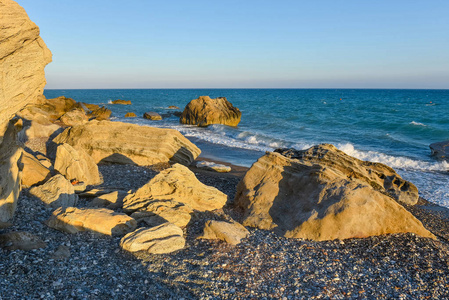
[394,127]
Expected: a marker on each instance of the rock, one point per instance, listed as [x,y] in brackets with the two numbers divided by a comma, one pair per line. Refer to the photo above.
[157,212]
[63,252]
[152,116]
[125,143]
[303,198]
[74,117]
[205,111]
[79,186]
[21,240]
[111,200]
[100,220]
[130,115]
[56,192]
[23,57]
[440,149]
[96,192]
[211,166]
[177,184]
[379,176]
[33,173]
[57,107]
[122,102]
[165,238]
[76,164]
[173,107]
[100,114]
[231,233]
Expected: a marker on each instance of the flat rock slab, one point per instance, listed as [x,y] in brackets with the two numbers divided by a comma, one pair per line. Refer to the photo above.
[165,238]
[100,220]
[229,232]
[56,192]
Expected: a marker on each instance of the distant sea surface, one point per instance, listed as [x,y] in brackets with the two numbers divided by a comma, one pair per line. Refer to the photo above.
[394,127]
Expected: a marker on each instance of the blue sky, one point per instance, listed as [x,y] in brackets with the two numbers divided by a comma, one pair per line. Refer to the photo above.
[244,44]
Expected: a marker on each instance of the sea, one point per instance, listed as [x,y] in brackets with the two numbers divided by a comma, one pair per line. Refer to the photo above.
[391,126]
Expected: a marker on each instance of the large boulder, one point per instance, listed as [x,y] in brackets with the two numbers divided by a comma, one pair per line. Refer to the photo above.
[23,57]
[99,220]
[100,114]
[56,192]
[33,172]
[125,143]
[74,117]
[440,149]
[179,185]
[57,107]
[303,198]
[76,164]
[205,111]
[164,238]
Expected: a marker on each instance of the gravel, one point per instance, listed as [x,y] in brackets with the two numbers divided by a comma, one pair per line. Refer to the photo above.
[263,266]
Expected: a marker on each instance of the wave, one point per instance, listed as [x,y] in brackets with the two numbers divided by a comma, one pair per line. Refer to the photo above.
[399,162]
[417,124]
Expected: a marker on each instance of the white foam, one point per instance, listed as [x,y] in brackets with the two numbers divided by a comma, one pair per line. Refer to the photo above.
[417,124]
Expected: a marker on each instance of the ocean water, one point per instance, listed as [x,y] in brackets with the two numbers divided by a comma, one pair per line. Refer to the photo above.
[394,127]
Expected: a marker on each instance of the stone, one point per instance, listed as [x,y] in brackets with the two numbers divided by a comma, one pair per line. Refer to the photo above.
[440,150]
[23,57]
[100,114]
[74,117]
[154,116]
[173,107]
[130,115]
[165,238]
[117,142]
[111,200]
[21,240]
[76,164]
[211,166]
[56,192]
[63,252]
[229,232]
[122,102]
[157,212]
[99,220]
[381,177]
[205,111]
[301,198]
[33,173]
[177,184]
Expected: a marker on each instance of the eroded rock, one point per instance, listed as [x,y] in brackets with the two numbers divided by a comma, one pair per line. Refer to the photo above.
[33,173]
[56,192]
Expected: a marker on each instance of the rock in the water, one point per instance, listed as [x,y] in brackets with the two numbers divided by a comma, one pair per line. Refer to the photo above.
[130,115]
[173,107]
[33,173]
[440,149]
[165,238]
[56,192]
[381,177]
[122,102]
[211,166]
[177,184]
[100,220]
[76,164]
[303,198]
[152,116]
[205,111]
[100,114]
[74,117]
[21,240]
[23,57]
[231,233]
[125,143]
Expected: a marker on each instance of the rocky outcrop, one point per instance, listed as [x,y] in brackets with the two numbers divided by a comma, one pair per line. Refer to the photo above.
[122,102]
[379,176]
[151,115]
[23,57]
[76,164]
[175,185]
[125,143]
[440,149]
[56,192]
[229,232]
[165,238]
[100,220]
[33,172]
[310,199]
[205,111]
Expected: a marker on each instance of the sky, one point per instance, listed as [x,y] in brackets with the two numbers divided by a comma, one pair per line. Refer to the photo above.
[244,43]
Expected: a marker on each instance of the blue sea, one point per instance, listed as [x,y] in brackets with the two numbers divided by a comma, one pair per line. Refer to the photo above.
[394,127]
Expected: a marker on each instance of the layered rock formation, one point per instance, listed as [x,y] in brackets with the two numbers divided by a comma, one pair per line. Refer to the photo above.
[323,197]
[56,192]
[205,111]
[125,143]
[23,57]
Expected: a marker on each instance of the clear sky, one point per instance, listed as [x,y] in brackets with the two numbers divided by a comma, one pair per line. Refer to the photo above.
[244,43]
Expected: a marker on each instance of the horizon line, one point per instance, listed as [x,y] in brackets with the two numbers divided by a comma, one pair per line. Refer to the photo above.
[230,88]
